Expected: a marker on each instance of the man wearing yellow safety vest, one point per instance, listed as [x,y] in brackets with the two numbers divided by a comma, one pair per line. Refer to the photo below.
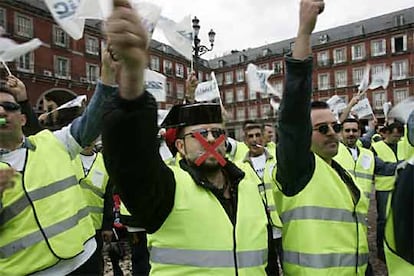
[44,222]
[360,162]
[260,162]
[388,150]
[97,191]
[320,207]
[204,216]
[269,137]
[399,229]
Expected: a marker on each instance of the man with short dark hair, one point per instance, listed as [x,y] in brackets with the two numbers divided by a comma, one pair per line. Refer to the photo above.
[321,205]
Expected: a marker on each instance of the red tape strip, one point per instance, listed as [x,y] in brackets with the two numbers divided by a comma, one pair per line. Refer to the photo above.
[210,149]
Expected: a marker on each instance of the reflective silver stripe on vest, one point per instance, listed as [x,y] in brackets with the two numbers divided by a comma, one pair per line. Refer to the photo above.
[207,258]
[9,212]
[321,213]
[266,186]
[95,190]
[364,175]
[35,237]
[95,209]
[271,208]
[325,260]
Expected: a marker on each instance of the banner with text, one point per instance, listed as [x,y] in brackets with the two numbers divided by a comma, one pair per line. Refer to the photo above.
[155,83]
[208,90]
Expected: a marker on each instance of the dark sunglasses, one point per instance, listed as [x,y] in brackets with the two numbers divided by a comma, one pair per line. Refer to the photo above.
[257,135]
[10,106]
[348,130]
[324,128]
[216,132]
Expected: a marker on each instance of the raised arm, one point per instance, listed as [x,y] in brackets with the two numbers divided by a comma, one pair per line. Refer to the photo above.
[295,162]
[146,184]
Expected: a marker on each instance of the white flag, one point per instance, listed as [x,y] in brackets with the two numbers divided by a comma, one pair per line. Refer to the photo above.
[275,105]
[381,79]
[11,50]
[362,108]
[155,83]
[102,9]
[363,86]
[76,102]
[162,113]
[336,103]
[402,110]
[386,108]
[208,90]
[180,35]
[64,13]
[258,80]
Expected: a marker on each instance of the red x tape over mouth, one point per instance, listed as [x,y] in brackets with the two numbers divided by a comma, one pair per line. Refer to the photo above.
[210,149]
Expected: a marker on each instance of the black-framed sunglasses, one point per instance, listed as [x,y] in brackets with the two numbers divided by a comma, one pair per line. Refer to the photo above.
[348,130]
[216,132]
[10,106]
[324,128]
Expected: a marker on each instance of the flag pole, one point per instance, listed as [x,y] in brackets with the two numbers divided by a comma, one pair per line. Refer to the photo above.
[6,67]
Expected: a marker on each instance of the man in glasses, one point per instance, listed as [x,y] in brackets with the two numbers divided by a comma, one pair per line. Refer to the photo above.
[204,216]
[44,220]
[320,204]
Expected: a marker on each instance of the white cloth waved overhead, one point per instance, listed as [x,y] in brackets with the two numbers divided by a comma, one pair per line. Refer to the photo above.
[10,50]
[208,90]
[258,80]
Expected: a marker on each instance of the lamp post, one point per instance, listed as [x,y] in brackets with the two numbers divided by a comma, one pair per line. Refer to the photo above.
[199,49]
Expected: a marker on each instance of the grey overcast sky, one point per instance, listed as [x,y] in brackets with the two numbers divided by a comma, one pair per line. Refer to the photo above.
[242,24]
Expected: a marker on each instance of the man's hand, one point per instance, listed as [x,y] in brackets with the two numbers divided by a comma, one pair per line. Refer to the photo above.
[128,41]
[6,178]
[191,84]
[309,10]
[107,235]
[17,87]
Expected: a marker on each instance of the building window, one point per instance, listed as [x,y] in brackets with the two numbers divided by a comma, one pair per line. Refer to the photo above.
[240,94]
[219,79]
[23,25]
[266,110]
[378,47]
[240,75]
[323,81]
[228,77]
[240,114]
[169,88]
[200,76]
[180,91]
[230,114]
[358,51]
[60,37]
[399,69]
[92,72]
[264,66]
[92,45]
[62,67]
[252,112]
[229,96]
[25,63]
[400,95]
[339,55]
[155,63]
[341,78]
[377,69]
[323,58]
[378,98]
[278,67]
[221,63]
[399,20]
[266,52]
[399,44]
[323,39]
[168,67]
[179,70]
[291,46]
[357,75]
[3,18]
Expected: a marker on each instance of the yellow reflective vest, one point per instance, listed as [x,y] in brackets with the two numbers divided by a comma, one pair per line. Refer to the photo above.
[94,187]
[386,183]
[362,169]
[323,229]
[198,238]
[44,216]
[241,150]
